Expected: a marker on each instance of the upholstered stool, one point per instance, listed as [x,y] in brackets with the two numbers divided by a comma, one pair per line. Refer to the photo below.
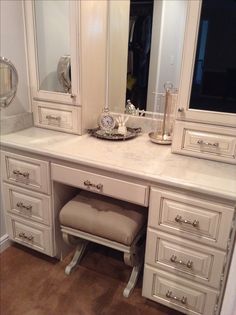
[107,221]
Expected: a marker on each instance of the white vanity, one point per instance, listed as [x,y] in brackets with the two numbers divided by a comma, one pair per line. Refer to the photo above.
[190,197]
[191,204]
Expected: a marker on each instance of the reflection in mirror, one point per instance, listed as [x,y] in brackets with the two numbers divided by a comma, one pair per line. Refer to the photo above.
[214,79]
[146,42]
[53,41]
[8,82]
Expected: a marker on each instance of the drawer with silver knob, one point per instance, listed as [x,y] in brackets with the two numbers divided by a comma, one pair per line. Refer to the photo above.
[57,117]
[185,258]
[193,218]
[180,294]
[210,142]
[134,192]
[27,204]
[35,236]
[26,172]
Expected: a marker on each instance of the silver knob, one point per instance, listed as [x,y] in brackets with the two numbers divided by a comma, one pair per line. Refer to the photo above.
[180,109]
[73,96]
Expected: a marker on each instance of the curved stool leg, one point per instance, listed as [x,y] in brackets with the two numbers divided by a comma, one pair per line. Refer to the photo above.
[132,280]
[80,248]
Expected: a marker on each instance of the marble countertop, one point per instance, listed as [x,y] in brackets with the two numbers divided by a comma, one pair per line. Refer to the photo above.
[138,158]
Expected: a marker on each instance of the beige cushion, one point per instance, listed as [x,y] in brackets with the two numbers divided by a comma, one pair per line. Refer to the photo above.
[103,216]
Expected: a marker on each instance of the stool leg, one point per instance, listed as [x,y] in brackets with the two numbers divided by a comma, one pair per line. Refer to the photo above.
[80,248]
[132,280]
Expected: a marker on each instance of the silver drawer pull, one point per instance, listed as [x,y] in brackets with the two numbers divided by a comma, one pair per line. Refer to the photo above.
[21,205]
[24,236]
[88,184]
[188,264]
[209,144]
[169,295]
[53,117]
[19,173]
[179,219]
[180,109]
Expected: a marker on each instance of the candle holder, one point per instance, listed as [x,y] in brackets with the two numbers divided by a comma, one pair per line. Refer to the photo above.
[163,135]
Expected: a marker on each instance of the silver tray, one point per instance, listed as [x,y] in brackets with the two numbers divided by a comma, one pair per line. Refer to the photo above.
[113,134]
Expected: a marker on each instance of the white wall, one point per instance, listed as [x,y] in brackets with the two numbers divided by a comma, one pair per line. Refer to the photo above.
[229,302]
[12,46]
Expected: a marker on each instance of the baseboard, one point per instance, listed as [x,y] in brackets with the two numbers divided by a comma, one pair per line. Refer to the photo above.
[4,242]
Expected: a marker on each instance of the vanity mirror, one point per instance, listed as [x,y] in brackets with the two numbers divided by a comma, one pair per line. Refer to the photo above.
[53,49]
[146,42]
[206,105]
[8,82]
[208,80]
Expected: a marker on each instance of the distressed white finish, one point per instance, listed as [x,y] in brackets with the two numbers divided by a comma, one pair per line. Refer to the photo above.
[138,158]
[110,186]
[219,127]
[60,117]
[27,204]
[207,187]
[205,261]
[199,298]
[189,237]
[30,234]
[32,173]
[88,44]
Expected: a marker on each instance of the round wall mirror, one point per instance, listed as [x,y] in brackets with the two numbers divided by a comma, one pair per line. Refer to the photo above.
[8,82]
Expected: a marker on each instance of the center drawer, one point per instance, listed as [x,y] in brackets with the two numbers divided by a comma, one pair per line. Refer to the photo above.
[110,186]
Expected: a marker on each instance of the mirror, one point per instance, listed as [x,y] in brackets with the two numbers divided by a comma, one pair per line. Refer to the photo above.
[53,45]
[8,82]
[214,78]
[145,51]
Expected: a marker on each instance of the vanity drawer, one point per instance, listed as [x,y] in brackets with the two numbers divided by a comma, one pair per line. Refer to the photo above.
[211,142]
[30,234]
[57,117]
[193,218]
[120,189]
[27,204]
[175,292]
[25,171]
[184,258]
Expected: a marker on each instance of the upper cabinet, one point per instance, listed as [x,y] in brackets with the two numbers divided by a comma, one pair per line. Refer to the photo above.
[66,44]
[206,107]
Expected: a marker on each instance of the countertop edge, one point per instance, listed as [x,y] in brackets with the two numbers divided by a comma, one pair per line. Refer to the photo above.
[142,176]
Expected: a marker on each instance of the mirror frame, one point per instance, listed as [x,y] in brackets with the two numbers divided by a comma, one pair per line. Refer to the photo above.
[72,98]
[183,112]
[7,98]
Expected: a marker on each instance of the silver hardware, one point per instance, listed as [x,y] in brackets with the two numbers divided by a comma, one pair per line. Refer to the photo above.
[215,144]
[19,173]
[180,109]
[88,184]
[73,96]
[24,236]
[169,295]
[53,117]
[188,264]
[21,205]
[179,219]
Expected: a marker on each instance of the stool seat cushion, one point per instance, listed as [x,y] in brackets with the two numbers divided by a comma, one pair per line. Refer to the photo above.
[102,216]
